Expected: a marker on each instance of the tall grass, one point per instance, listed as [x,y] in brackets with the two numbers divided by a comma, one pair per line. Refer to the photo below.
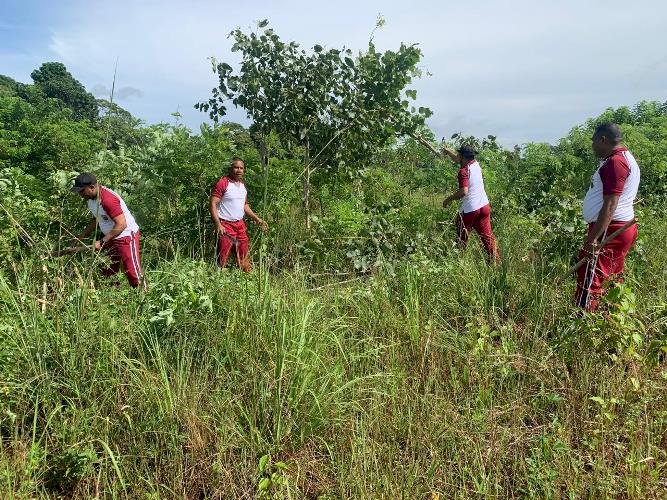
[446,377]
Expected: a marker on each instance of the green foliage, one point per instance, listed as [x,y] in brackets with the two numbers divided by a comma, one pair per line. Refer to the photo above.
[270,477]
[340,111]
[124,130]
[23,213]
[376,242]
[9,87]
[263,388]
[364,357]
[53,79]
[42,137]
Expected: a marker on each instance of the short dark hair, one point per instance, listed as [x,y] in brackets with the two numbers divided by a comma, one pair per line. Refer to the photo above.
[609,130]
[467,152]
[234,160]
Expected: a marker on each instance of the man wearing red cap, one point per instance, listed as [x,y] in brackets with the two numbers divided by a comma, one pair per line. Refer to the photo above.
[228,204]
[608,206]
[120,232]
[475,211]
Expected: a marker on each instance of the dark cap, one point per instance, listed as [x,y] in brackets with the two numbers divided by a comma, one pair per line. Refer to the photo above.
[467,152]
[83,180]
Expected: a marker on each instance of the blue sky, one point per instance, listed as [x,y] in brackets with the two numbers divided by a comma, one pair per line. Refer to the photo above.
[521,70]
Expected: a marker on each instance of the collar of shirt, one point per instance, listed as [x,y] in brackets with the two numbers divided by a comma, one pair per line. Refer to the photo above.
[231,179]
[616,150]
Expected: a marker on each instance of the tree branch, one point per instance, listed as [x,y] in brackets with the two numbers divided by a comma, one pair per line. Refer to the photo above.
[426,144]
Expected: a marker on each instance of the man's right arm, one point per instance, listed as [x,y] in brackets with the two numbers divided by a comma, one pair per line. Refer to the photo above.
[457,195]
[213,209]
[453,155]
[88,230]
[445,151]
[464,183]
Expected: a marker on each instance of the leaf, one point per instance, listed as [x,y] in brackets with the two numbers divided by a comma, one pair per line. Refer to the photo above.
[263,461]
[598,400]
[264,23]
[426,112]
[318,48]
[264,484]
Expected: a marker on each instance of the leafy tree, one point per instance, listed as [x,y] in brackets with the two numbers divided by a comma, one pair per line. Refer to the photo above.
[336,110]
[123,129]
[55,81]
[40,138]
[9,86]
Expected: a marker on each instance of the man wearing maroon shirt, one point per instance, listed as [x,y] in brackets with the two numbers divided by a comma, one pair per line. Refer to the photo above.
[120,232]
[228,204]
[475,211]
[608,206]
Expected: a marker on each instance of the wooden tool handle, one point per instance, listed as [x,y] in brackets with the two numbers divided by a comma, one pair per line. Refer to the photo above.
[603,243]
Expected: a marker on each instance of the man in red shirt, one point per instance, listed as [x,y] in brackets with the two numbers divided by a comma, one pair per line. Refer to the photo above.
[608,206]
[228,204]
[120,232]
[475,211]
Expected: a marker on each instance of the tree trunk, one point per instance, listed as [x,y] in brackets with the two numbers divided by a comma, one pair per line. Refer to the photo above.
[306,184]
[264,159]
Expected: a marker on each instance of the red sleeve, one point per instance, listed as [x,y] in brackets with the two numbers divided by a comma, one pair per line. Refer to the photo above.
[110,203]
[220,187]
[614,173]
[464,176]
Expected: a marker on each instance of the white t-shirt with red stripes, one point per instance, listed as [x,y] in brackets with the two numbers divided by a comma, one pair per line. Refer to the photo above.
[233,197]
[618,174]
[470,176]
[111,205]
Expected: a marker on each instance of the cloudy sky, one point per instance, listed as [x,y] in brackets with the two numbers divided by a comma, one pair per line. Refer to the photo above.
[521,70]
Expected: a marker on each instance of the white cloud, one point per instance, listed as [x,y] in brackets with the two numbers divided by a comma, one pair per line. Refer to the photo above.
[522,70]
[122,93]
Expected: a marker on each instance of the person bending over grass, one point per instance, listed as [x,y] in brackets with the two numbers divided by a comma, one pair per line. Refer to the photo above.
[120,232]
[228,205]
[475,210]
[608,206]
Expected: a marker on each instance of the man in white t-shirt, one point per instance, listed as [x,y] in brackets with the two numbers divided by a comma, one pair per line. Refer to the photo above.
[608,206]
[228,204]
[120,232]
[475,211]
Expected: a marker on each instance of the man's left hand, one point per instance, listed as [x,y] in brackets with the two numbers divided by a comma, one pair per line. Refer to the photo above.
[591,249]
[264,225]
[98,244]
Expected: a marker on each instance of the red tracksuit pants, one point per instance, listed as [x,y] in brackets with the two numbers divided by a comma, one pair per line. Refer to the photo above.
[609,263]
[480,221]
[125,250]
[237,231]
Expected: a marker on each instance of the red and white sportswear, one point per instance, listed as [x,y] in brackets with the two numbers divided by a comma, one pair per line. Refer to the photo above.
[233,197]
[618,174]
[470,176]
[111,205]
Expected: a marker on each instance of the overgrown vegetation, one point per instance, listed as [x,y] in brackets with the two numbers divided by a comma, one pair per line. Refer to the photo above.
[364,357]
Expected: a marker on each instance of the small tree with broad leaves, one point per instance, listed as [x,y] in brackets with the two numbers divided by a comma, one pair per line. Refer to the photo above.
[338,109]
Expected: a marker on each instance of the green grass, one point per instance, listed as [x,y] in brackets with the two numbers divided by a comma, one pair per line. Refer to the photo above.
[447,376]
